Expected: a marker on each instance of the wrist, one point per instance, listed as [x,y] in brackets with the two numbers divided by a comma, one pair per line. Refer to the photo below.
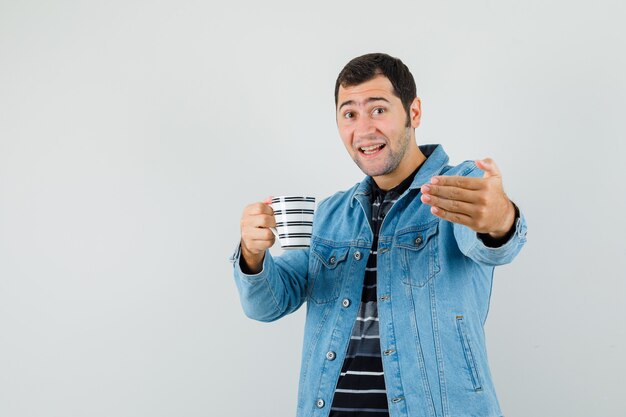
[507,224]
[490,239]
[251,263]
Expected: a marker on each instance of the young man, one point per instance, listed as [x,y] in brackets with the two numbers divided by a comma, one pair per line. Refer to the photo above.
[398,276]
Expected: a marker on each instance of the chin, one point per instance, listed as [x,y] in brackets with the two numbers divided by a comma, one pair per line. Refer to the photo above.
[374,171]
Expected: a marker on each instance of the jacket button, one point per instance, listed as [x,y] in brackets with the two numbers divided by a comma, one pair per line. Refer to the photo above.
[418,241]
[320,403]
[332,260]
[345,302]
[357,255]
[331,356]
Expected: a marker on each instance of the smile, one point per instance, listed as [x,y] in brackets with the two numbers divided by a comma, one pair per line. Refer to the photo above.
[371,150]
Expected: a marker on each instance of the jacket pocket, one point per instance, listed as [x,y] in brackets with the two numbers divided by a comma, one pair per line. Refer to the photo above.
[418,252]
[327,267]
[469,356]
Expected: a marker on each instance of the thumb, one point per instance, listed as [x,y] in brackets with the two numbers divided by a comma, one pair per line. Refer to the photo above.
[489,166]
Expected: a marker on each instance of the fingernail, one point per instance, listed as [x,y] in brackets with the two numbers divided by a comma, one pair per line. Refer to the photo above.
[425,197]
[426,188]
[434,180]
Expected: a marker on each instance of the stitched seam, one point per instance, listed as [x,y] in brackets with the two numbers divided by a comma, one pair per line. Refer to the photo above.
[267,282]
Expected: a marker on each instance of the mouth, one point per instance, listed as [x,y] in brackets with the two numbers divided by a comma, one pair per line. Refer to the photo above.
[371,150]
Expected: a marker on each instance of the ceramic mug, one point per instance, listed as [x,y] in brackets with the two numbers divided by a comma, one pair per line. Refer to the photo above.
[294,220]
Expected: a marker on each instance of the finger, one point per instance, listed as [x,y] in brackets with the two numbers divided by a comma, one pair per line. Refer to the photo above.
[258,235]
[489,166]
[454,206]
[260,220]
[268,200]
[258,208]
[258,246]
[451,193]
[468,183]
[451,216]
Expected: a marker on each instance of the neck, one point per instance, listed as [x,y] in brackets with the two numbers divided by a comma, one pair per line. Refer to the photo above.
[412,159]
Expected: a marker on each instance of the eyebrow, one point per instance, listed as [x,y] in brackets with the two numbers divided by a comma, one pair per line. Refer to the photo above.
[369,100]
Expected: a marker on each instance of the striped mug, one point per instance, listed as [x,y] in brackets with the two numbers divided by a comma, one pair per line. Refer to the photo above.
[294,220]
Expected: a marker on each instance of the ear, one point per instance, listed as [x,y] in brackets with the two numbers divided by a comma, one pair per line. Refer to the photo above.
[416,112]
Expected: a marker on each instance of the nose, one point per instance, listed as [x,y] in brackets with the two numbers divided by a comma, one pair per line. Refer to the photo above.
[364,127]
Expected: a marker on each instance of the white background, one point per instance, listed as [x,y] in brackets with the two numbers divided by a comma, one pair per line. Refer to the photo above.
[133,133]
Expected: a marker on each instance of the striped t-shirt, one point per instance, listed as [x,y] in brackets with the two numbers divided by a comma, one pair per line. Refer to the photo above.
[361,389]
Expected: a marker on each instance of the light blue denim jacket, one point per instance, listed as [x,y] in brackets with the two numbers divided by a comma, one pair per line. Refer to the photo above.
[434,285]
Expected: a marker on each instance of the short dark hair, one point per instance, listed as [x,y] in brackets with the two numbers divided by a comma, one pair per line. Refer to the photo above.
[367,67]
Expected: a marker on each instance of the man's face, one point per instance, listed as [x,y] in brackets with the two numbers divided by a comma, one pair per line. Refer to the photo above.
[373,125]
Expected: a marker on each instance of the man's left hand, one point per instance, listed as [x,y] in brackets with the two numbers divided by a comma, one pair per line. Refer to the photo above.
[478,203]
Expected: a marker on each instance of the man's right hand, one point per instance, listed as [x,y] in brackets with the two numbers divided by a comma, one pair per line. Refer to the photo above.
[256,237]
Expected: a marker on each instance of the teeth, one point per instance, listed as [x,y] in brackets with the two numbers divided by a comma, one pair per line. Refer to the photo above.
[370,148]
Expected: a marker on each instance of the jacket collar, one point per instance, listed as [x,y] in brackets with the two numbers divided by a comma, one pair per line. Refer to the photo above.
[436,158]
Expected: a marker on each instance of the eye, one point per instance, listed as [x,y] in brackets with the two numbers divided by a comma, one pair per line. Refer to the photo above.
[348,115]
[378,110]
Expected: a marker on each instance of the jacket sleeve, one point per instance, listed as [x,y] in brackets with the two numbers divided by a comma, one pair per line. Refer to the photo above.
[473,247]
[280,287]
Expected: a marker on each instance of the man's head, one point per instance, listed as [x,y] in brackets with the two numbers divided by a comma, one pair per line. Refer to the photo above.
[377,113]
[366,67]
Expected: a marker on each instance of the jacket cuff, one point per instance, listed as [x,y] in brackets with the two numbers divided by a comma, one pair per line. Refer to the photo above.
[502,254]
[235,259]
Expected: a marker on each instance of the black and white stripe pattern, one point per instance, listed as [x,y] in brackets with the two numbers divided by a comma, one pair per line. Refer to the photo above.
[294,220]
[288,198]
[361,390]
[293,211]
